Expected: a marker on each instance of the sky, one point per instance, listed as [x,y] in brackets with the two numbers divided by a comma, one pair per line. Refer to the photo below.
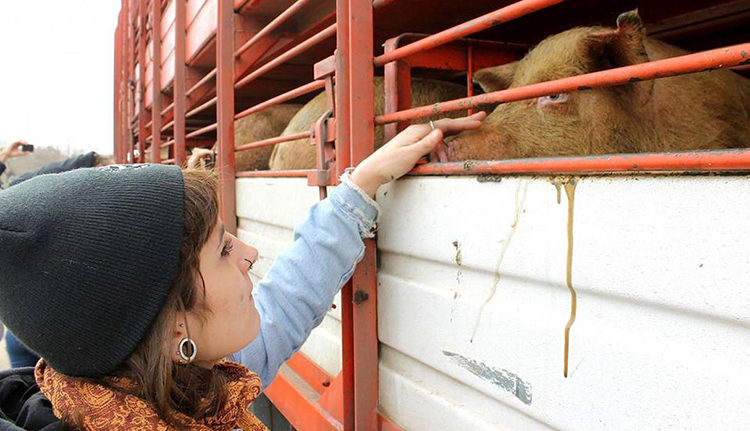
[57,73]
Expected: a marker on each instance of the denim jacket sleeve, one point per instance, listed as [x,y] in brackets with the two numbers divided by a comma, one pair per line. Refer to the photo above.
[297,291]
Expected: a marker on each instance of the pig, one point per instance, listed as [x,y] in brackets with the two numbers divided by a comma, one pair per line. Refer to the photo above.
[702,111]
[300,154]
[258,126]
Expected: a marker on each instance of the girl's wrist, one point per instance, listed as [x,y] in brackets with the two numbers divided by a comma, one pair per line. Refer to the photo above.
[367,183]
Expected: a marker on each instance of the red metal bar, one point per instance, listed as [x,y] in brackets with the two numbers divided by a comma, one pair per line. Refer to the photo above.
[470,75]
[508,13]
[166,110]
[297,173]
[273,141]
[377,4]
[202,130]
[343,158]
[310,372]
[397,84]
[156,81]
[691,161]
[273,25]
[116,95]
[364,280]
[297,50]
[168,143]
[202,107]
[130,79]
[168,125]
[141,89]
[201,81]
[180,98]
[297,409]
[225,113]
[289,95]
[168,162]
[708,60]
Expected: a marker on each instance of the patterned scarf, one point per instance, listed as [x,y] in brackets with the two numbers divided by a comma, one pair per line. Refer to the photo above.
[105,408]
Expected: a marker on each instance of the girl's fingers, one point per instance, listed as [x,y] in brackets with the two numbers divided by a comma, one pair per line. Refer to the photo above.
[455,125]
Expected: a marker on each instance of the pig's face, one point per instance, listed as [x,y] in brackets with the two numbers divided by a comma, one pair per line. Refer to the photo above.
[587,122]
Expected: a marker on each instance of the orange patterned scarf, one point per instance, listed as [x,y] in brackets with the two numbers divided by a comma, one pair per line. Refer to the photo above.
[105,408]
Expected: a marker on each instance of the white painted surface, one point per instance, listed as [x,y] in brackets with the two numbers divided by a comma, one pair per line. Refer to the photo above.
[660,267]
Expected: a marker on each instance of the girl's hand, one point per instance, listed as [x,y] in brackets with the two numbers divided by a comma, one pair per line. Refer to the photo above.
[400,154]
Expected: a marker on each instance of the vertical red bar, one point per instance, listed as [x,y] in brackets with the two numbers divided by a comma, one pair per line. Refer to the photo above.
[116,107]
[180,99]
[362,139]
[343,157]
[156,81]
[141,83]
[397,89]
[225,113]
[128,81]
[470,74]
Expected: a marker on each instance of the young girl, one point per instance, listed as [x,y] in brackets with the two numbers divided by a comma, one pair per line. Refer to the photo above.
[124,281]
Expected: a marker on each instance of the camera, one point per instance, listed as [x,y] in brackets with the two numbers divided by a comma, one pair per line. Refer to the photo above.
[27,148]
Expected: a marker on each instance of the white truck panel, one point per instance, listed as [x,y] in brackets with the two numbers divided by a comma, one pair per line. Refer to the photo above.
[473,300]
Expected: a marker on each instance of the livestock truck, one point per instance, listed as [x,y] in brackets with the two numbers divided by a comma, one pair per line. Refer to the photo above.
[568,292]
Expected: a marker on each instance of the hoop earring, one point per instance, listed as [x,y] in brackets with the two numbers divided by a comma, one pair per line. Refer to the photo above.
[188,357]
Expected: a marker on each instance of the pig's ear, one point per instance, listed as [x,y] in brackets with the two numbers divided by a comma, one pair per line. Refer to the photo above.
[617,48]
[495,78]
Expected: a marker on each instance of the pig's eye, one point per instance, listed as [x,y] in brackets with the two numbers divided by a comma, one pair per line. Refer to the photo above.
[553,99]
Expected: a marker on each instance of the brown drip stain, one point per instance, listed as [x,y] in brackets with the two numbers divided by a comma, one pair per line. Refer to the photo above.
[520,201]
[570,190]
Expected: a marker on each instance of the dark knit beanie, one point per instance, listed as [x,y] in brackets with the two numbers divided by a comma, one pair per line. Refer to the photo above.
[86,260]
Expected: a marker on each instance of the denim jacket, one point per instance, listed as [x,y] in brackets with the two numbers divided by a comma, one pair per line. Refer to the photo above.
[298,289]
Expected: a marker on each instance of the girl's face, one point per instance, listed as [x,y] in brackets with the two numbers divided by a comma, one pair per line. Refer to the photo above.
[232,321]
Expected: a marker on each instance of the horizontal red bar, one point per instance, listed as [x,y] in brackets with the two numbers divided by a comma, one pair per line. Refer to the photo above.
[273,25]
[201,131]
[692,161]
[202,81]
[301,173]
[714,59]
[289,95]
[508,13]
[272,141]
[297,50]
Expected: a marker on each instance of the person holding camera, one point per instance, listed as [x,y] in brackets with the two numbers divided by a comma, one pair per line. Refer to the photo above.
[18,148]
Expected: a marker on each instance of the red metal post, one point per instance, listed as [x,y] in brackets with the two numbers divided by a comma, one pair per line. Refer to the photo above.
[225,113]
[397,85]
[116,110]
[180,99]
[364,281]
[156,81]
[343,159]
[141,83]
[130,83]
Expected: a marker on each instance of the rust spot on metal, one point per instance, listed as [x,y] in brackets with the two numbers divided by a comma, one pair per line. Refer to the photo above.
[360,296]
[436,108]
[584,87]
[326,384]
[470,164]
[634,79]
[743,54]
